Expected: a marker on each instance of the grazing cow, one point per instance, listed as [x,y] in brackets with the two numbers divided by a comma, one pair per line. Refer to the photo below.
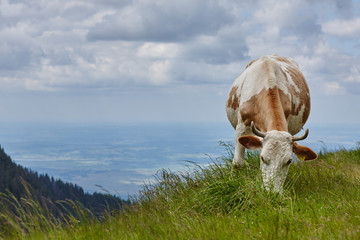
[270,100]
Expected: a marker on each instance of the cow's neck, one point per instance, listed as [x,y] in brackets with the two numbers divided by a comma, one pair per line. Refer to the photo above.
[273,117]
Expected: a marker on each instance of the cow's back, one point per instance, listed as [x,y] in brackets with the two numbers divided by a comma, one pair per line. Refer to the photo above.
[267,84]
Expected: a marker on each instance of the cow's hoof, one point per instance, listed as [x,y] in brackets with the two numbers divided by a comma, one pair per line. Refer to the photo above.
[236,167]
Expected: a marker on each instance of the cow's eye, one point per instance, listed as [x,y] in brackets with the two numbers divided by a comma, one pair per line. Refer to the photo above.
[289,161]
[262,159]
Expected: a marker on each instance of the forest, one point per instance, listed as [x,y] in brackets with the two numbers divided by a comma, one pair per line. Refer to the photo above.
[21,182]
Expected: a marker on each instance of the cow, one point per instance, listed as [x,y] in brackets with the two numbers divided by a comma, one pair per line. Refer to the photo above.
[269,102]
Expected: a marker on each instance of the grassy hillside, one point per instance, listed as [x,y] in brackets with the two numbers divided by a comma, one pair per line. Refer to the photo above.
[321,201]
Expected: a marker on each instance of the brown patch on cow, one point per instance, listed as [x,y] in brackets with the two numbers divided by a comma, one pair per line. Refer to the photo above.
[233,101]
[285,103]
[250,142]
[266,110]
[303,151]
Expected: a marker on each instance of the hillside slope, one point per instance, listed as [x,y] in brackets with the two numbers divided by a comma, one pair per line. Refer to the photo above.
[321,201]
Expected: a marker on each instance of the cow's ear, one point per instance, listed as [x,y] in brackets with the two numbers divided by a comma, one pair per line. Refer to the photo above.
[304,153]
[250,142]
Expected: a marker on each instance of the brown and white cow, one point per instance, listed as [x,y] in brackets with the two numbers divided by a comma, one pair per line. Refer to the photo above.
[270,100]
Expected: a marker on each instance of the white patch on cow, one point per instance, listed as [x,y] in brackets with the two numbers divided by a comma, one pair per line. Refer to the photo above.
[296,101]
[285,67]
[291,81]
[251,79]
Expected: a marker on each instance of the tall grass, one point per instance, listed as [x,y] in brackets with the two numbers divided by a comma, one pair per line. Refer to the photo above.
[321,201]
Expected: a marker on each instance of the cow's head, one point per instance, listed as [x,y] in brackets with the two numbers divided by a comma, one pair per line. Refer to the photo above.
[276,154]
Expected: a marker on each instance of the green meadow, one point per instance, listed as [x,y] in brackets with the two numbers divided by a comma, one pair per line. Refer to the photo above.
[321,200]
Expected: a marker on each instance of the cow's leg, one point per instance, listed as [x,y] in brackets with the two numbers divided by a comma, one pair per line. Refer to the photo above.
[239,155]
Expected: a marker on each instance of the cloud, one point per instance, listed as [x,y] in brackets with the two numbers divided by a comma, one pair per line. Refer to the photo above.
[334,88]
[47,46]
[17,49]
[345,8]
[354,74]
[342,28]
[165,21]
[226,46]
[158,72]
[285,28]
[352,82]
[158,50]
[330,71]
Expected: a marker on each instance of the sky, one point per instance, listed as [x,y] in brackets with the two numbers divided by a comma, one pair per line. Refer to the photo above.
[160,60]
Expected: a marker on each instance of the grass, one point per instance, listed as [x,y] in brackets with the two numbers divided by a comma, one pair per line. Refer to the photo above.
[321,201]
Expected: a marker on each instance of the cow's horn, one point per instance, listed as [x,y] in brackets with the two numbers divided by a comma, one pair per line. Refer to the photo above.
[302,137]
[257,132]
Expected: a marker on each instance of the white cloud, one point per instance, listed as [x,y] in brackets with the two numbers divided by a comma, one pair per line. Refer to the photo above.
[276,13]
[334,88]
[158,50]
[342,28]
[158,72]
[354,75]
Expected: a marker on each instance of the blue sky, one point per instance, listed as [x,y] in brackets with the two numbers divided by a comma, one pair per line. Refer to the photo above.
[136,61]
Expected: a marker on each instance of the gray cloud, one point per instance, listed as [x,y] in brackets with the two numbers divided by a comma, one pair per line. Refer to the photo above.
[353,87]
[78,12]
[345,8]
[17,50]
[305,28]
[14,57]
[165,21]
[227,46]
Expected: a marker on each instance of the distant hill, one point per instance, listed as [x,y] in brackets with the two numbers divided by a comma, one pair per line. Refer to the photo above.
[21,182]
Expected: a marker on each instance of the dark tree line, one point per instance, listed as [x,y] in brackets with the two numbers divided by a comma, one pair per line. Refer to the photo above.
[19,181]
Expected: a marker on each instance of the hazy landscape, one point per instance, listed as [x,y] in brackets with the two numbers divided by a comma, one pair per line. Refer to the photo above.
[121,157]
